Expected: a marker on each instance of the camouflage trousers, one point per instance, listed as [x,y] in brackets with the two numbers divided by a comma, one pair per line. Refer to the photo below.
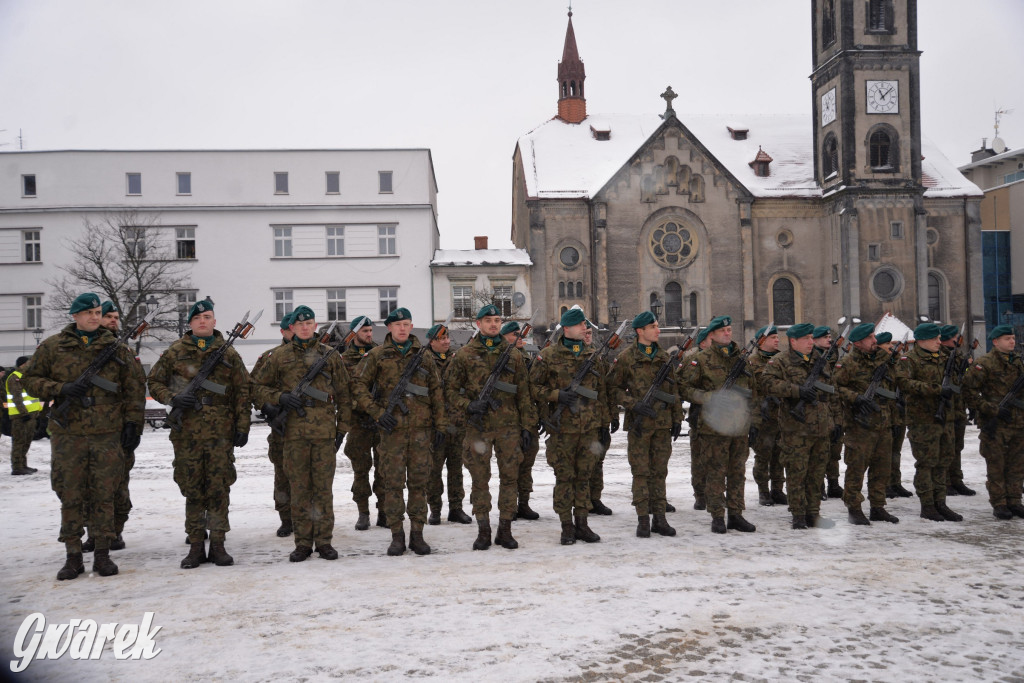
[204,470]
[1004,465]
[698,464]
[804,455]
[282,487]
[835,454]
[932,446]
[956,472]
[648,456]
[726,461]
[525,479]
[867,450]
[122,498]
[310,465]
[597,475]
[23,428]
[361,448]
[505,445]
[899,435]
[405,457]
[768,471]
[84,473]
[449,455]
[572,457]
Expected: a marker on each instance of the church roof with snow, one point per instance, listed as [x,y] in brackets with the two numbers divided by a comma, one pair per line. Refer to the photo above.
[481,257]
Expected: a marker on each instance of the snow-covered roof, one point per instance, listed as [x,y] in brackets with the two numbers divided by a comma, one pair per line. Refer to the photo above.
[481,257]
[565,160]
[894,326]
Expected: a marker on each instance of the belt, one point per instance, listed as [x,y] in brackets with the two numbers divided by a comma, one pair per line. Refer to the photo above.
[89,401]
[213,401]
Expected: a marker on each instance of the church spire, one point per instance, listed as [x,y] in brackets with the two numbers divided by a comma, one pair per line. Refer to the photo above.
[572,107]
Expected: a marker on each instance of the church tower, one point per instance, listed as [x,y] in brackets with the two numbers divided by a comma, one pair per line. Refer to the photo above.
[572,107]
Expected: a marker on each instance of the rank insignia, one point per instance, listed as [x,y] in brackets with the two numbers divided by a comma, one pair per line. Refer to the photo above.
[201,343]
[575,348]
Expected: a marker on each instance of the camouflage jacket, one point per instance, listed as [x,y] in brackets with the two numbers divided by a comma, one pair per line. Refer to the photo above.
[959,406]
[63,358]
[468,371]
[852,377]
[265,355]
[988,380]
[706,372]
[835,403]
[633,374]
[769,405]
[919,377]
[352,357]
[221,415]
[284,369]
[554,369]
[382,368]
[783,375]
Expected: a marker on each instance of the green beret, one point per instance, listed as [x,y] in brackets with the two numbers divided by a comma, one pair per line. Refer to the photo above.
[997,331]
[702,335]
[574,316]
[302,313]
[358,320]
[489,309]
[286,320]
[947,332]
[820,331]
[109,307]
[200,307]
[398,314]
[643,320]
[719,322]
[766,331]
[799,330]
[926,331]
[510,326]
[434,331]
[83,302]
[862,331]
[883,337]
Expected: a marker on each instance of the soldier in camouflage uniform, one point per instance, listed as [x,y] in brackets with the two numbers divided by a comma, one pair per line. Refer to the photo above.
[504,428]
[768,471]
[987,382]
[898,418]
[725,455]
[317,421]
[651,428]
[805,445]
[213,423]
[575,443]
[101,424]
[698,462]
[919,377]
[868,445]
[408,438]
[450,455]
[275,450]
[361,443]
[525,476]
[24,411]
[956,487]
[597,474]
[830,485]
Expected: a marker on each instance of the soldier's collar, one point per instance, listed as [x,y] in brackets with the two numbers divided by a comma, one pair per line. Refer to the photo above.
[649,350]
[443,355]
[304,343]
[767,354]
[404,347]
[87,337]
[490,343]
[725,350]
[202,342]
[576,346]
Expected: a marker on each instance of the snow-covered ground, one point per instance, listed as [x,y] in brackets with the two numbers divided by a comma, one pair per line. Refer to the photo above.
[915,601]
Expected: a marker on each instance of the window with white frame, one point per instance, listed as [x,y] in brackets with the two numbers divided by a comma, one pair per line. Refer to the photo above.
[280,183]
[184,182]
[333,182]
[335,240]
[283,303]
[336,309]
[33,311]
[30,238]
[134,183]
[185,242]
[385,180]
[28,185]
[134,241]
[503,299]
[462,301]
[282,242]
[388,297]
[185,301]
[386,237]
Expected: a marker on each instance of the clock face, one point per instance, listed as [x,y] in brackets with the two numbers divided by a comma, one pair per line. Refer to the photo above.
[828,107]
[883,97]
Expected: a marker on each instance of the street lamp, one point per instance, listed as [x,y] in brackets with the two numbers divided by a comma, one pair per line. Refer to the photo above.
[613,310]
[656,307]
[38,334]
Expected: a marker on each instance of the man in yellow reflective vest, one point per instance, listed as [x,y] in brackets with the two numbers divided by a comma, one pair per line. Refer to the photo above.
[24,410]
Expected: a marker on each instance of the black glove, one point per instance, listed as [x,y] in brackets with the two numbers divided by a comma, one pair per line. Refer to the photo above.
[1004,414]
[808,394]
[290,401]
[567,398]
[76,389]
[270,411]
[946,393]
[641,409]
[614,424]
[387,422]
[337,441]
[837,434]
[865,405]
[439,438]
[525,439]
[130,437]
[677,430]
[184,401]
[241,438]
[604,436]
[477,407]
[752,437]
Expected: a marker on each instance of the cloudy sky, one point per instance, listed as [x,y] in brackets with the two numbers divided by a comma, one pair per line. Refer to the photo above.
[464,78]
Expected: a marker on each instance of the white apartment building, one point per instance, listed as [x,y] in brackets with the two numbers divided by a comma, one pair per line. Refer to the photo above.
[346,232]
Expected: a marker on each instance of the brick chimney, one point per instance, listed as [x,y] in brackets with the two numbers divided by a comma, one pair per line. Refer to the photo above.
[480,242]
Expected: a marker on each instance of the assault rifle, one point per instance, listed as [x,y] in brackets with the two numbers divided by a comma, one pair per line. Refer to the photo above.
[396,399]
[303,388]
[875,386]
[654,392]
[1009,400]
[553,424]
[798,411]
[949,387]
[740,367]
[91,373]
[492,383]
[210,363]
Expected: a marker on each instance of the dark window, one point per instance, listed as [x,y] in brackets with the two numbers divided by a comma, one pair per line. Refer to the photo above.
[995,277]
[896,230]
[561,290]
[579,290]
[830,156]
[880,148]
[28,186]
[569,256]
[185,239]
[693,308]
[828,23]
[385,179]
[32,246]
[673,303]
[783,302]
[336,308]
[281,183]
[880,15]
[333,182]
[134,183]
[388,298]
[874,251]
[934,297]
[185,183]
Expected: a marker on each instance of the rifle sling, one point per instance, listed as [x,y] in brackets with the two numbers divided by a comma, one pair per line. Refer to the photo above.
[827,388]
[885,393]
[214,387]
[89,401]
[105,384]
[505,387]
[322,396]
[416,390]
[588,394]
[664,397]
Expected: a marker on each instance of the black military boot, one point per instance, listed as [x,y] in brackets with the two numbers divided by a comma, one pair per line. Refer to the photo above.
[196,555]
[669,507]
[929,512]
[799,522]
[999,511]
[856,517]
[417,544]
[816,521]
[102,564]
[902,492]
[117,543]
[435,516]
[963,489]
[739,524]
[584,532]
[947,513]
[718,525]
[219,556]
[700,503]
[524,511]
[882,515]
[599,508]
[363,521]
[1015,509]
[285,530]
[397,546]
[950,491]
[73,566]
[483,533]
[300,554]
[643,527]
[779,497]
[457,515]
[568,534]
[327,551]
[504,537]
[89,544]
[661,526]
[834,489]
[23,470]
[890,492]
[764,497]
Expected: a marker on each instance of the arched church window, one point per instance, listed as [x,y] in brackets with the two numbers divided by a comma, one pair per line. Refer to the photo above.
[828,23]
[934,296]
[673,303]
[561,290]
[673,244]
[572,88]
[830,157]
[579,289]
[783,302]
[565,89]
[693,308]
[882,146]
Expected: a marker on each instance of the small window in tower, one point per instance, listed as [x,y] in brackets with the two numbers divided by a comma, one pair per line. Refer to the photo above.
[873,252]
[828,23]
[880,16]
[572,88]
[880,150]
[830,157]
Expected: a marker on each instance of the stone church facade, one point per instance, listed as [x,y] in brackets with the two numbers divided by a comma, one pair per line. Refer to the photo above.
[791,219]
